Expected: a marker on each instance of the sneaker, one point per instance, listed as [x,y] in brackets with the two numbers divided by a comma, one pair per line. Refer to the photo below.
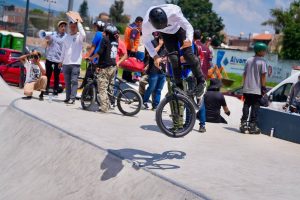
[41,97]
[66,100]
[202,129]
[200,89]
[253,129]
[55,93]
[70,101]
[27,97]
[244,127]
[146,107]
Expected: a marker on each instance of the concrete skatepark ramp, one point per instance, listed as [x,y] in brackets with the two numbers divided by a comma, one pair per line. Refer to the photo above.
[42,161]
[54,151]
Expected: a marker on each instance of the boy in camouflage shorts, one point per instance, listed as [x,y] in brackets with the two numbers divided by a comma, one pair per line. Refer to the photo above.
[106,67]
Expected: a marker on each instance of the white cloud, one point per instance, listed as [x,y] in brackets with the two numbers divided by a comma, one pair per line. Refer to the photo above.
[244,9]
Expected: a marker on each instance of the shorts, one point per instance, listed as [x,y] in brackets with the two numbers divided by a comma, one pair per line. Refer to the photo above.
[39,85]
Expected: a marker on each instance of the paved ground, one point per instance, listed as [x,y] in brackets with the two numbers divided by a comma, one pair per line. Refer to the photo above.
[221,164]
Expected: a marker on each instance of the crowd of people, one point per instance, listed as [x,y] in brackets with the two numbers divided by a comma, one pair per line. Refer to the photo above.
[163,29]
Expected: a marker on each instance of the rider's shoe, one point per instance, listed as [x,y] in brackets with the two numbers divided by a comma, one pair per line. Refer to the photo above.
[253,129]
[244,127]
[200,89]
[202,129]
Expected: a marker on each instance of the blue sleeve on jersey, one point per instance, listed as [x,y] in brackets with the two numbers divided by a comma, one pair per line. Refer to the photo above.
[97,39]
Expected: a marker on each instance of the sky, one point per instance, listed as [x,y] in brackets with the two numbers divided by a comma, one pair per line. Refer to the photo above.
[238,15]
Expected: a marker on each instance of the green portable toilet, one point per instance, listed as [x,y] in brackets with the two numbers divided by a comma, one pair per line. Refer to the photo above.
[5,39]
[17,41]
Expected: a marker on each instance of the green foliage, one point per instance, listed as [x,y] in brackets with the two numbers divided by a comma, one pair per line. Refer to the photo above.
[116,12]
[288,23]
[37,12]
[121,27]
[39,19]
[200,14]
[278,21]
[83,11]
[238,79]
[291,41]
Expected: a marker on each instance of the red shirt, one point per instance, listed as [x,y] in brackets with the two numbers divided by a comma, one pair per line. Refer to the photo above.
[121,50]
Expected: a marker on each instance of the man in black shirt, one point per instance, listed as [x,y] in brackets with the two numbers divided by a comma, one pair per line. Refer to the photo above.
[214,100]
[156,78]
[106,66]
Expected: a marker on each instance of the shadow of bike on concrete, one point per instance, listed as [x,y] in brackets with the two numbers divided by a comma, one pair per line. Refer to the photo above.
[112,164]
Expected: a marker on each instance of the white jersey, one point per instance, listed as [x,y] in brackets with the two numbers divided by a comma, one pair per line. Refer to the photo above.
[54,48]
[176,20]
[72,47]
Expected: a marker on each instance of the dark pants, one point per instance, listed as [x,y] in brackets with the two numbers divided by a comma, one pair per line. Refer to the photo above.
[171,44]
[71,73]
[52,67]
[88,74]
[251,101]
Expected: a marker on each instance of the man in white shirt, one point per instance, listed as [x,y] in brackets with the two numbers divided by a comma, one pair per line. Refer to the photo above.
[174,27]
[53,54]
[71,59]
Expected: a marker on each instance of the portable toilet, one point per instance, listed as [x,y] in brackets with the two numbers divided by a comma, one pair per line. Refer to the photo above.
[5,39]
[17,41]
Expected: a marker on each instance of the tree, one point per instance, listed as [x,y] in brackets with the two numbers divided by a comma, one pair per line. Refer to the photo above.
[287,22]
[200,14]
[83,11]
[116,12]
[38,18]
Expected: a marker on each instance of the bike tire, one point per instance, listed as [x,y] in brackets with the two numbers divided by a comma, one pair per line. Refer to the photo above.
[187,104]
[88,97]
[129,93]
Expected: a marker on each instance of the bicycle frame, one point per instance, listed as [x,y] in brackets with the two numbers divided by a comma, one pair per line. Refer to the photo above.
[172,88]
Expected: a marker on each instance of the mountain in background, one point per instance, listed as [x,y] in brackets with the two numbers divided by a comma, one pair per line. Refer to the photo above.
[22,4]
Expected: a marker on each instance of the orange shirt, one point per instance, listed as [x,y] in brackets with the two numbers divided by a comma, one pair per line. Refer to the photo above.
[132,32]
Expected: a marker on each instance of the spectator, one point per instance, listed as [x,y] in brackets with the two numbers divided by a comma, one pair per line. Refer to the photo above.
[141,56]
[132,40]
[53,55]
[254,81]
[35,75]
[294,97]
[156,76]
[203,52]
[98,27]
[71,59]
[214,100]
[106,66]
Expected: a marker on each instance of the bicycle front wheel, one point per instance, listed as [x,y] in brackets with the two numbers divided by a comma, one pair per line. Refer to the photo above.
[129,102]
[88,96]
[175,115]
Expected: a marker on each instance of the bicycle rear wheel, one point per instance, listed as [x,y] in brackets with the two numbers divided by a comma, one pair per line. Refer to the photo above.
[175,115]
[129,102]
[88,96]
